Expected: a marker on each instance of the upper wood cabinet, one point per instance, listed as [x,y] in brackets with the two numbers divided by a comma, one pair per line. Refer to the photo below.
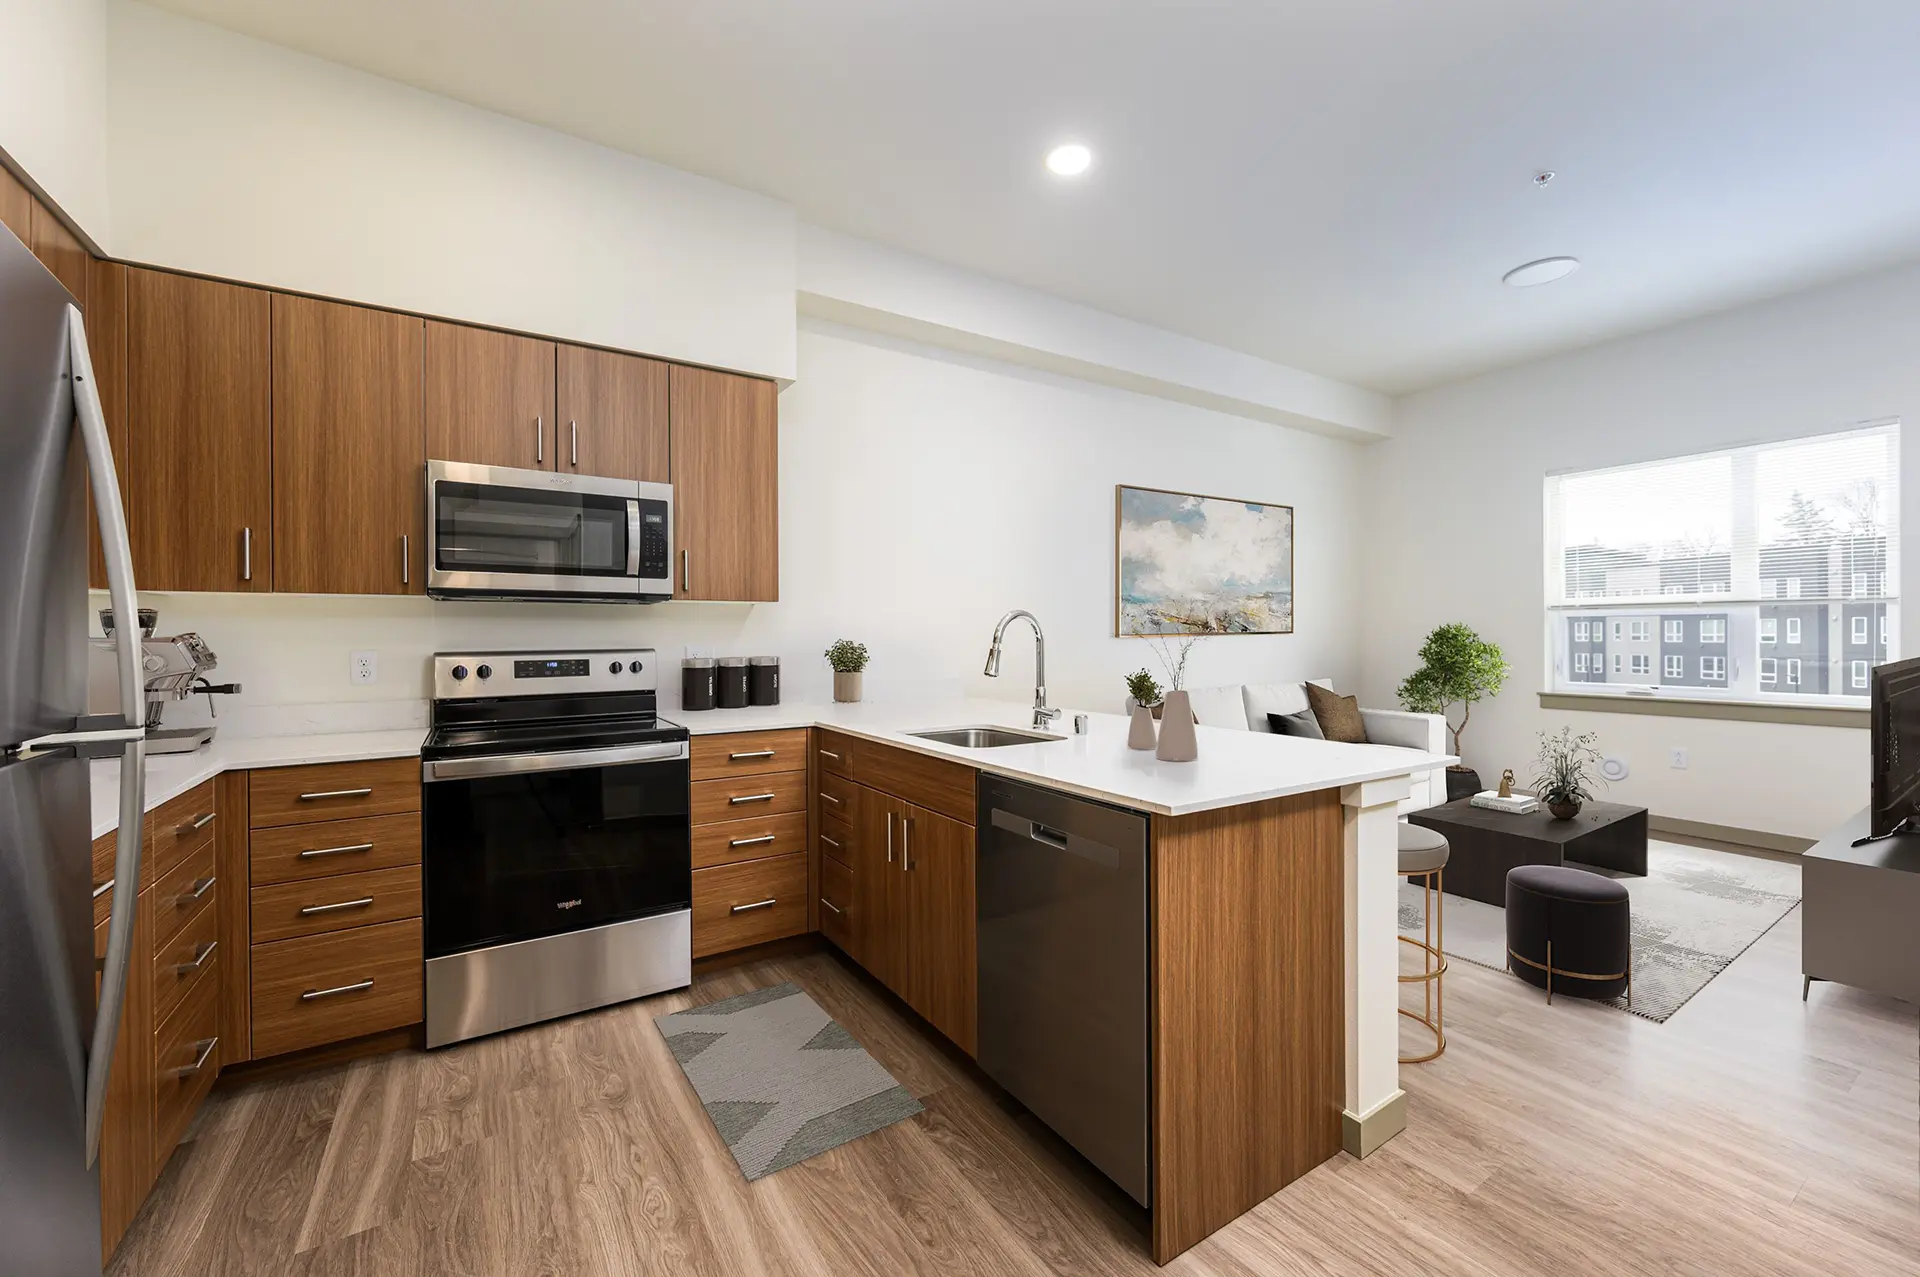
[726,485]
[60,251]
[107,344]
[489,398]
[16,207]
[200,471]
[611,415]
[349,449]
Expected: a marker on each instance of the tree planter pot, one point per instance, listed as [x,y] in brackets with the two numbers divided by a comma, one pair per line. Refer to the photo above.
[846,686]
[1462,782]
[1564,811]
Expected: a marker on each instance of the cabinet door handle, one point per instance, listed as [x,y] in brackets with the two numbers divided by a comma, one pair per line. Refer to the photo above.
[406,561]
[540,439]
[200,957]
[201,887]
[573,444]
[336,793]
[307,911]
[314,852]
[737,799]
[246,554]
[829,798]
[829,904]
[200,822]
[750,753]
[686,571]
[313,994]
[206,1046]
[751,842]
[889,837]
[768,903]
[906,828]
[827,753]
[831,842]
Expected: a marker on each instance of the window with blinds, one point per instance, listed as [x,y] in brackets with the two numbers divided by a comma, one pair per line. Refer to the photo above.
[1767,573]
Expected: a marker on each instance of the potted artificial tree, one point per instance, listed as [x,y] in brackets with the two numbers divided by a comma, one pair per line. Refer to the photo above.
[1143,689]
[848,659]
[1457,667]
[1562,780]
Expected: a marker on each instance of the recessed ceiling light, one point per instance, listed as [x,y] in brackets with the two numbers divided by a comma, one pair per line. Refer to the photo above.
[1070,160]
[1544,271]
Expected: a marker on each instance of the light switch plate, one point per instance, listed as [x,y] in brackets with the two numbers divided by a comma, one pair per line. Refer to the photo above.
[1678,758]
[363,667]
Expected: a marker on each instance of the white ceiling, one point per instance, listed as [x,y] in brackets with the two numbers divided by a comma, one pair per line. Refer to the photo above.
[1335,185]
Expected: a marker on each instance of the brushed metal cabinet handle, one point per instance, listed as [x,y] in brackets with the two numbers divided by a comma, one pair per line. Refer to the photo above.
[829,904]
[201,887]
[307,911]
[768,903]
[540,438]
[406,561]
[200,956]
[686,571]
[750,753]
[246,554]
[737,799]
[906,859]
[312,994]
[751,842]
[831,842]
[103,889]
[206,1046]
[573,445]
[826,797]
[201,821]
[827,753]
[312,852]
[336,793]
[889,837]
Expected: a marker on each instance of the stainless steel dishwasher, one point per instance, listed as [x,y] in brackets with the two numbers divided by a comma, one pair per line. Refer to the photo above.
[1061,890]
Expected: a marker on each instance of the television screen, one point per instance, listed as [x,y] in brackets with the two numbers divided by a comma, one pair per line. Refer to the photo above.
[1896,747]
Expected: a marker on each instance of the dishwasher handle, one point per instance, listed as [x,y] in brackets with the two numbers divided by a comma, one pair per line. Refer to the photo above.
[1056,840]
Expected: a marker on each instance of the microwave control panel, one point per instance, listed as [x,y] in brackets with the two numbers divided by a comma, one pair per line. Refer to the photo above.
[653,540]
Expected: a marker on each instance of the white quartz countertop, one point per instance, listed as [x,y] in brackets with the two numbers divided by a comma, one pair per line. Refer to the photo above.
[1234,767]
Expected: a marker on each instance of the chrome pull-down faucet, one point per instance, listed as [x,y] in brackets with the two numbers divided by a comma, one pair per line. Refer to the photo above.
[1041,714]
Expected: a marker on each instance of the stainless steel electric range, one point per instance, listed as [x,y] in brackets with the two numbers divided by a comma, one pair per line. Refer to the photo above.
[556,839]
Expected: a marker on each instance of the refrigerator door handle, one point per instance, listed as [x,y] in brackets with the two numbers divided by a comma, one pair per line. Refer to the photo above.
[112,517]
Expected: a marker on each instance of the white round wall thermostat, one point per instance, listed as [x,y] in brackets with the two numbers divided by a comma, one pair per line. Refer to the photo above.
[1613,768]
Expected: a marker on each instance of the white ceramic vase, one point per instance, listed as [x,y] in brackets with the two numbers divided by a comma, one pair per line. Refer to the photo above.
[1178,742]
[1140,733]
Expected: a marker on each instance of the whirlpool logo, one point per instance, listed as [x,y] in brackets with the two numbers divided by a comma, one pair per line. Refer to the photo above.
[566,904]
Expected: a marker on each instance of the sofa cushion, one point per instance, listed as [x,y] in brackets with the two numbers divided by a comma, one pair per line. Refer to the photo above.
[1339,716]
[1263,699]
[1302,724]
[1219,707]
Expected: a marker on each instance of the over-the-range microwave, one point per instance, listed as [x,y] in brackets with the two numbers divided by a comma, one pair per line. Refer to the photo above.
[498,533]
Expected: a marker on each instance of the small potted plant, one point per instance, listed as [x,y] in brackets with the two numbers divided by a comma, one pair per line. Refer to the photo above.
[1457,667]
[1562,780]
[848,658]
[1143,689]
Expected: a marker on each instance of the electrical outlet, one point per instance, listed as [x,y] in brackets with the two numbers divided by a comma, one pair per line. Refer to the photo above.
[363,667]
[1677,758]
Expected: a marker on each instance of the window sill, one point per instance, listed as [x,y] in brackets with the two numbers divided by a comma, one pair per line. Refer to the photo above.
[1741,711]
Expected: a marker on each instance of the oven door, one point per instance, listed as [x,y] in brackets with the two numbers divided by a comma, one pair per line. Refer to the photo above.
[494,532]
[533,845]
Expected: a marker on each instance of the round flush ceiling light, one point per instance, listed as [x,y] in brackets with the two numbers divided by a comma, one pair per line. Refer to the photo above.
[1544,271]
[1070,160]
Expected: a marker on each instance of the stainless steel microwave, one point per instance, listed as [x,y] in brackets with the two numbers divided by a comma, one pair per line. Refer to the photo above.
[499,533]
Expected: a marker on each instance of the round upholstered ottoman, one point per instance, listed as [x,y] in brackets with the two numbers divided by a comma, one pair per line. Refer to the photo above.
[1569,931]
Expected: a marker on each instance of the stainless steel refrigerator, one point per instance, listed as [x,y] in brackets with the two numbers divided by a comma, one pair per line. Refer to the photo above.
[55,1048]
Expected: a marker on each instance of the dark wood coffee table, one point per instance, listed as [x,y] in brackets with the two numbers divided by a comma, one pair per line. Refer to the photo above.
[1485,844]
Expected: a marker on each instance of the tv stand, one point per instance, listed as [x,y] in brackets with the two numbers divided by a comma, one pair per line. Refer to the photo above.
[1904,827]
[1860,922]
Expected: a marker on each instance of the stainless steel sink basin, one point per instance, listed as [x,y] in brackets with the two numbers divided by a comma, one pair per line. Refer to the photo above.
[983,737]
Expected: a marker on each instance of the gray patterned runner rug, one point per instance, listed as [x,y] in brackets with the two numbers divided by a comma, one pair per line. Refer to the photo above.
[780,1079]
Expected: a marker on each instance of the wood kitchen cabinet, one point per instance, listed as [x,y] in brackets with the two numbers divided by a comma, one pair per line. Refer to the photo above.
[16,207]
[726,485]
[489,398]
[60,251]
[200,471]
[107,345]
[879,889]
[611,415]
[349,449]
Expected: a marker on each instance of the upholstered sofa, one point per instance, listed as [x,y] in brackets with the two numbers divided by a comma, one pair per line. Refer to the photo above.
[1245,706]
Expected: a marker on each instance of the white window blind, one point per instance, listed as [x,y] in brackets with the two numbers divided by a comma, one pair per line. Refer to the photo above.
[1728,551]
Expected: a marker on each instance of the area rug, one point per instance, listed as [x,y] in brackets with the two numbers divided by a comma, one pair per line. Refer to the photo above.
[780,1079]
[1693,914]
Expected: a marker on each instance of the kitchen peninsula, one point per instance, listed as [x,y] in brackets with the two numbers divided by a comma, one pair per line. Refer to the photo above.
[1272,953]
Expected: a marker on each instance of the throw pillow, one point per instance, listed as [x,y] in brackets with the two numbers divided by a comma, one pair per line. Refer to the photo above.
[1338,716]
[1301,724]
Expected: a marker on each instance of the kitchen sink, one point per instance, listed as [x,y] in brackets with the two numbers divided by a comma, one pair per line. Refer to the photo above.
[983,737]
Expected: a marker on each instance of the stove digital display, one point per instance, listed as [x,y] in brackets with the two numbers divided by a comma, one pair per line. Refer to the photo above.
[550,669]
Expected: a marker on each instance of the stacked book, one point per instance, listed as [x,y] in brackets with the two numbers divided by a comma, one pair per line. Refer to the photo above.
[1518,804]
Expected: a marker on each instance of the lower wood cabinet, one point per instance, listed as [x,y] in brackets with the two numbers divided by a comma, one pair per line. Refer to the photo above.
[749,903]
[752,862]
[341,984]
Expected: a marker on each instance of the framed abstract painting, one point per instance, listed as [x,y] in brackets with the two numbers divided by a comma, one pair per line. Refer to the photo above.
[1191,564]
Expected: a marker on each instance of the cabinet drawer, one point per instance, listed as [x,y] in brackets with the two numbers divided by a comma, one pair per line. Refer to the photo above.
[837,903]
[836,839]
[836,797]
[284,910]
[185,1059]
[180,961]
[293,853]
[933,783]
[176,829]
[331,987]
[833,752]
[746,797]
[182,895]
[749,753]
[332,791]
[751,903]
[732,841]
[105,848]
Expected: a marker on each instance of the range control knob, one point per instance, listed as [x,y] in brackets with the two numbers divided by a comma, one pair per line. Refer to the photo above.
[634,668]
[459,672]
[614,668]
[485,671]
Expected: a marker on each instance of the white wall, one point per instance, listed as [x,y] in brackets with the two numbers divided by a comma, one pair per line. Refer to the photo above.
[241,159]
[1456,525]
[53,102]
[923,494]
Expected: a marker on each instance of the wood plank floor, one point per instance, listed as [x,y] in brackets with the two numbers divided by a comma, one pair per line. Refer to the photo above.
[1748,1134]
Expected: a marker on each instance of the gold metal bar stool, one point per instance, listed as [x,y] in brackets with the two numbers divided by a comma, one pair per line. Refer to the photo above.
[1423,855]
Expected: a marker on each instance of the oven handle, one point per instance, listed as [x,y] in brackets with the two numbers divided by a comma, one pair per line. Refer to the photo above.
[571,760]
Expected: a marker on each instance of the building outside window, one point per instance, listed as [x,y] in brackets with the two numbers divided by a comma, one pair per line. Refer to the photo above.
[1673,667]
[1792,584]
[1674,631]
[1616,662]
[1579,662]
[1793,629]
[1713,669]
[1769,671]
[1713,631]
[1859,671]
[1580,631]
[1793,671]
[1769,629]
[1859,629]
[1640,663]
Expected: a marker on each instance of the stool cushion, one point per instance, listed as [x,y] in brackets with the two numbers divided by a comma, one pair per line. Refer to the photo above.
[1422,850]
[1586,918]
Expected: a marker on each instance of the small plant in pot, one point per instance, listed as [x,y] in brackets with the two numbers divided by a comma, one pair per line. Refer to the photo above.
[848,659]
[1457,667]
[1562,782]
[1143,689]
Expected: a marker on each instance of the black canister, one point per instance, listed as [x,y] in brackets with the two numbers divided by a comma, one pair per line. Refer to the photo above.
[697,683]
[733,682]
[763,680]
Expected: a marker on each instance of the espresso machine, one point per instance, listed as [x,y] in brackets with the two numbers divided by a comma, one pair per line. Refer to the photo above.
[175,668]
